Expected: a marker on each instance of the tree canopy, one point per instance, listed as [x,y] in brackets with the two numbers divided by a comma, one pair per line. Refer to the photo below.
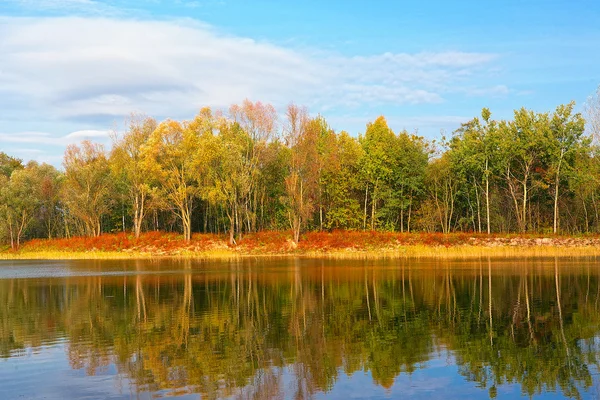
[245,169]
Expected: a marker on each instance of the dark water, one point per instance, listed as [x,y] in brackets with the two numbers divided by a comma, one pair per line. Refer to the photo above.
[299,329]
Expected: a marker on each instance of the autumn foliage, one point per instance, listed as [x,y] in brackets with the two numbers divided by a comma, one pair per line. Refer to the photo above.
[266,180]
[281,243]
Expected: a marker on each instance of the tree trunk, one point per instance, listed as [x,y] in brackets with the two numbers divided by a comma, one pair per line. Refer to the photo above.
[401,220]
[297,223]
[487,197]
[186,220]
[409,215]
[12,235]
[478,207]
[231,228]
[511,187]
[365,215]
[524,218]
[21,229]
[138,215]
[373,204]
[556,185]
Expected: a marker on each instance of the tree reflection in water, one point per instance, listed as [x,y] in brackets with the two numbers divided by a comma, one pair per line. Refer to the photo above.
[236,331]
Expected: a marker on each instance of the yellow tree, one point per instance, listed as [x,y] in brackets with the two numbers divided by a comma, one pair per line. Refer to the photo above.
[87,187]
[302,182]
[174,157]
[128,165]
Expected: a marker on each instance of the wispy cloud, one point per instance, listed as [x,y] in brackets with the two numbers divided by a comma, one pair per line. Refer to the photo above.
[45,138]
[46,147]
[90,72]
[77,67]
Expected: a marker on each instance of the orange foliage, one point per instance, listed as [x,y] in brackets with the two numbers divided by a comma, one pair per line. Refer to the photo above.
[147,242]
[280,242]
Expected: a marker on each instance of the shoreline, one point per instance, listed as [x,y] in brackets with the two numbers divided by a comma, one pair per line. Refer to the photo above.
[350,245]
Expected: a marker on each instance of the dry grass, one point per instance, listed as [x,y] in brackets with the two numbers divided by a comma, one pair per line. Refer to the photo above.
[460,252]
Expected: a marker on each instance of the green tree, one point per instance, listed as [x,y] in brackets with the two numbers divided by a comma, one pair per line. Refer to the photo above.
[341,184]
[48,191]
[377,165]
[8,164]
[23,196]
[411,157]
[523,144]
[474,150]
[566,139]
[443,185]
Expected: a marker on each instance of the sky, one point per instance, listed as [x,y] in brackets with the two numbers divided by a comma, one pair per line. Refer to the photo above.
[77,69]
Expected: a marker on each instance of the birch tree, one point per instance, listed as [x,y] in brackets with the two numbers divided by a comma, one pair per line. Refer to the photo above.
[88,184]
[128,166]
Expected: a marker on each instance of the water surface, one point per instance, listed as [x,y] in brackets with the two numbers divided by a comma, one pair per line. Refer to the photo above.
[299,329]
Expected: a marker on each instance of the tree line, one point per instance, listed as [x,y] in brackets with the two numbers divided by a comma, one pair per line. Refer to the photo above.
[247,170]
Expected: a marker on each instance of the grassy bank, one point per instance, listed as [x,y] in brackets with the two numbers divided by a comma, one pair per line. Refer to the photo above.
[338,244]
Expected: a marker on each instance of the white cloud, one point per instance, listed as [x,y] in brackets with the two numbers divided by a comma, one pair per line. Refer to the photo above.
[87,134]
[88,68]
[45,147]
[44,138]
[89,73]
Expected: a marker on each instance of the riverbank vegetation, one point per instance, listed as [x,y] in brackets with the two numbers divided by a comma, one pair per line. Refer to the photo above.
[246,171]
[336,245]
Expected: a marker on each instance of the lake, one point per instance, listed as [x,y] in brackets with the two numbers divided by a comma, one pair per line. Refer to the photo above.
[300,328]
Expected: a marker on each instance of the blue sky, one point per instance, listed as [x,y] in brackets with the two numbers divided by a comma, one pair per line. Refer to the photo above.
[75,69]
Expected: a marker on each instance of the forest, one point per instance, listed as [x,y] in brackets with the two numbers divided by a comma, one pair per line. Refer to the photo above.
[248,169]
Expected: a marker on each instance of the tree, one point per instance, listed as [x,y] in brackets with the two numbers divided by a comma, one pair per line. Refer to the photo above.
[475,152]
[8,164]
[442,184]
[258,121]
[88,184]
[592,112]
[341,184]
[566,130]
[127,163]
[170,156]
[377,164]
[522,144]
[21,196]
[302,182]
[411,156]
[48,190]
[228,175]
